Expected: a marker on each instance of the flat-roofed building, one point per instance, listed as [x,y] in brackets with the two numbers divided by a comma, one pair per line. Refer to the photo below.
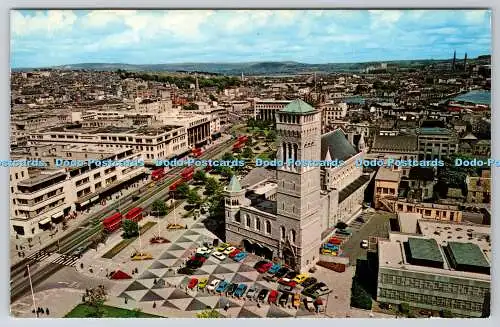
[436,143]
[267,109]
[431,271]
[386,186]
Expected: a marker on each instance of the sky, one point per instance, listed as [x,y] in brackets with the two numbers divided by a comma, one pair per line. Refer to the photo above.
[59,37]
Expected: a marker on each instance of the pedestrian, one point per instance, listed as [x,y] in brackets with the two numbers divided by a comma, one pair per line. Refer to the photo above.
[126,300]
[154,305]
[41,311]
[47,311]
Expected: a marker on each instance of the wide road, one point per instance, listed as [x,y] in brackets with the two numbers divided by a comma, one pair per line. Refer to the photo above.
[92,226]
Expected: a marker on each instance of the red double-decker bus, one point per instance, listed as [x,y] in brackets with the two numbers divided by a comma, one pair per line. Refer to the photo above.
[158,174]
[174,186]
[197,152]
[135,214]
[238,146]
[187,171]
[113,222]
[242,139]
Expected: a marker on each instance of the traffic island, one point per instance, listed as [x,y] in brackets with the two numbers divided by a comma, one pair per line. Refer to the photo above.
[124,243]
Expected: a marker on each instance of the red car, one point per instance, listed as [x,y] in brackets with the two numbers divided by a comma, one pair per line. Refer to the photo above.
[287,282]
[265,267]
[273,297]
[192,283]
[234,253]
[199,258]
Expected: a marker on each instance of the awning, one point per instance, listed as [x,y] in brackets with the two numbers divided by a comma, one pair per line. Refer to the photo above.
[57,215]
[95,198]
[84,203]
[44,221]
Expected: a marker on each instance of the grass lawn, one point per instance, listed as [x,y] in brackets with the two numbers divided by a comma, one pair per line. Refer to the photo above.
[85,311]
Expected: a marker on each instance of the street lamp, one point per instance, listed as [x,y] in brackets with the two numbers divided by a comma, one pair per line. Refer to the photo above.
[32,293]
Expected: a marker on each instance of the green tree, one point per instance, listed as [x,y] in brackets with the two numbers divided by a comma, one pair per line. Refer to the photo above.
[209,313]
[226,171]
[212,186]
[360,298]
[216,209]
[200,175]
[271,136]
[228,156]
[95,299]
[159,208]
[182,190]
[130,228]
[193,198]
[247,152]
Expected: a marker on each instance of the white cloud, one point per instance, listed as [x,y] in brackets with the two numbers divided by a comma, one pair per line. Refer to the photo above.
[475,16]
[102,18]
[50,22]
[384,18]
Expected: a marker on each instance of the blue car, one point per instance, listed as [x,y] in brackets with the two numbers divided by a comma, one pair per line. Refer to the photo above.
[240,290]
[222,286]
[274,269]
[240,256]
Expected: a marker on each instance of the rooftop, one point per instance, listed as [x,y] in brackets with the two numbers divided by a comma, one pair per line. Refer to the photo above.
[468,254]
[353,187]
[387,174]
[234,185]
[298,107]
[395,143]
[424,249]
[434,131]
[338,144]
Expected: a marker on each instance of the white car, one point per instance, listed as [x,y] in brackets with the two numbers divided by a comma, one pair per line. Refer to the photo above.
[364,244]
[229,250]
[322,291]
[213,284]
[219,255]
[203,251]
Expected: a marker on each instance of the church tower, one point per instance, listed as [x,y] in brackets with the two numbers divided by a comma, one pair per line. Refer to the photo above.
[297,225]
[234,197]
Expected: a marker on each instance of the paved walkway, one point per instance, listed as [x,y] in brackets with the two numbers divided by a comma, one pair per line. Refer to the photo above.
[42,239]
[59,302]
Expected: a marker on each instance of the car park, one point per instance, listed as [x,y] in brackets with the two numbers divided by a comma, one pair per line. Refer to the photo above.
[222,287]
[231,289]
[228,250]
[234,253]
[213,284]
[192,283]
[265,267]
[252,292]
[273,297]
[240,256]
[301,278]
[262,295]
[309,282]
[202,283]
[240,290]
[218,255]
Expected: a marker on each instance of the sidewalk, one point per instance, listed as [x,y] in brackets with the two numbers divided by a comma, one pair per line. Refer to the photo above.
[44,238]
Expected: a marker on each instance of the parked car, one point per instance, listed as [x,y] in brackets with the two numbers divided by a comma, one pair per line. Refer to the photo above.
[223,246]
[228,250]
[322,290]
[240,256]
[260,263]
[262,295]
[274,269]
[202,283]
[192,283]
[231,289]
[309,282]
[269,277]
[234,253]
[186,271]
[301,278]
[285,288]
[284,299]
[282,272]
[287,282]
[252,292]
[296,300]
[213,284]
[240,290]
[291,275]
[273,297]
[222,286]
[364,244]
[265,267]
[78,252]
[343,232]
[309,304]
[203,251]
[218,255]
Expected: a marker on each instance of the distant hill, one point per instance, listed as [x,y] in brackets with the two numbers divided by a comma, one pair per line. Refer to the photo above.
[248,68]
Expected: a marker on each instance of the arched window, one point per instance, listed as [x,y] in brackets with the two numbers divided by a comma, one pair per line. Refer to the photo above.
[268,227]
[293,236]
[248,221]
[282,232]
[257,223]
[237,217]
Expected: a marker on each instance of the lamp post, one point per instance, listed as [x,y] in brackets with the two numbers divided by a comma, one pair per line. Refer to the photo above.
[32,293]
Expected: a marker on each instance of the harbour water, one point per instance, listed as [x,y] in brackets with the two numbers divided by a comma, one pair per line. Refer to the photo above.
[476,97]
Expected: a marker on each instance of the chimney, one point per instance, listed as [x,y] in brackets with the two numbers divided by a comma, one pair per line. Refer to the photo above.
[454,60]
[465,62]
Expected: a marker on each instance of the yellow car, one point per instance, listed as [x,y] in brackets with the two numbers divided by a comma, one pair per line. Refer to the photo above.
[296,300]
[142,256]
[202,283]
[301,278]
[326,251]
[223,246]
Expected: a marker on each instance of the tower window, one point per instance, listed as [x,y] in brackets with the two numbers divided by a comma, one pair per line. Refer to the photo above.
[293,236]
[237,217]
[268,227]
[248,221]
[257,224]
[282,232]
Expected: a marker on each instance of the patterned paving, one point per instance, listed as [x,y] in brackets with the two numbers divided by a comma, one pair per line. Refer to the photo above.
[170,289]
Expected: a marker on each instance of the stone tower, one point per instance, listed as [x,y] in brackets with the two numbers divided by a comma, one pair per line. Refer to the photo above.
[234,197]
[297,225]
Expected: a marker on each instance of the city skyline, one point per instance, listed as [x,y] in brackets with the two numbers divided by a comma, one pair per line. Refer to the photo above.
[57,37]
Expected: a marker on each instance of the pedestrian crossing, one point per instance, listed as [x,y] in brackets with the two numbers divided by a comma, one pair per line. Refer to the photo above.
[66,260]
[39,256]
